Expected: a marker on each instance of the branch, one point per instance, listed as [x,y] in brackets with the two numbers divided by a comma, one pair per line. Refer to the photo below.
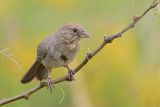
[107,39]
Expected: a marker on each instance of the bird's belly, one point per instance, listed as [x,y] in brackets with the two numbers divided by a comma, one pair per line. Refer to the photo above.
[54,64]
[63,60]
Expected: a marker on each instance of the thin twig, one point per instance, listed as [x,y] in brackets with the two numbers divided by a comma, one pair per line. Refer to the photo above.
[107,39]
[9,56]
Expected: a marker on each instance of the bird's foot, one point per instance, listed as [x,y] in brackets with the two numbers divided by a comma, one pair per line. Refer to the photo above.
[42,82]
[71,75]
[50,84]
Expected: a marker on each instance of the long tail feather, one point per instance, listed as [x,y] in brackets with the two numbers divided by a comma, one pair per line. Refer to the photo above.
[42,73]
[31,72]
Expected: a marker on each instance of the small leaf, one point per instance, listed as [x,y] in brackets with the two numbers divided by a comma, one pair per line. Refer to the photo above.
[4,50]
[10,55]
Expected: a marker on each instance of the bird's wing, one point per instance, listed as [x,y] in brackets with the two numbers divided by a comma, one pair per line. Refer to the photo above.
[43,48]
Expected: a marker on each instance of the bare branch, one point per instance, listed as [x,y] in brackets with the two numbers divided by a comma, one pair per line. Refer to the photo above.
[107,39]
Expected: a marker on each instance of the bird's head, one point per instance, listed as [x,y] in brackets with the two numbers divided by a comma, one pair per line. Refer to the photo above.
[72,32]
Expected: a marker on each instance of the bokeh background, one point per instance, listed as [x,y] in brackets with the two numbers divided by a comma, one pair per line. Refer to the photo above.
[126,73]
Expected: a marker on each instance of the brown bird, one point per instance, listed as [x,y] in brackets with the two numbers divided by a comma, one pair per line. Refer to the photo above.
[56,50]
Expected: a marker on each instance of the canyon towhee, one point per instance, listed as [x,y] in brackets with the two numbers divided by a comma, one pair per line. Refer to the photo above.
[57,50]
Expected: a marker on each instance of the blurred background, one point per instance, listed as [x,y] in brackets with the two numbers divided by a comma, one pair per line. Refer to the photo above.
[126,73]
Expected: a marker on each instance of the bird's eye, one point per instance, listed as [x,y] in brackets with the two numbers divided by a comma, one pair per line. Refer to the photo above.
[74,29]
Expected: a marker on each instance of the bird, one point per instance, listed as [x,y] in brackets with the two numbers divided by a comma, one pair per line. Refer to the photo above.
[56,50]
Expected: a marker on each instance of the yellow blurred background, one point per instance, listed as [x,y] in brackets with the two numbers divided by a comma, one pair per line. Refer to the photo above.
[126,73]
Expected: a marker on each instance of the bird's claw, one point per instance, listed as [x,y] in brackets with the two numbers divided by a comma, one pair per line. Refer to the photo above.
[71,75]
[50,84]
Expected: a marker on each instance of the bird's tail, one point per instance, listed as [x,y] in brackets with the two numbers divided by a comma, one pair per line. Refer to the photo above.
[42,73]
[35,70]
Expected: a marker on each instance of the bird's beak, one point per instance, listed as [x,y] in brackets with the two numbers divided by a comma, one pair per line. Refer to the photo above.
[84,35]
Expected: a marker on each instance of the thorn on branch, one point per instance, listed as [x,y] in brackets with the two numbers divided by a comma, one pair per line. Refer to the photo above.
[89,50]
[27,97]
[105,35]
[110,38]
[107,39]
[119,35]
[135,17]
[89,56]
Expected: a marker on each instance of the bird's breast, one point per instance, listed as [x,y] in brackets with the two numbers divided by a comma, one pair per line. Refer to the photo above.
[59,58]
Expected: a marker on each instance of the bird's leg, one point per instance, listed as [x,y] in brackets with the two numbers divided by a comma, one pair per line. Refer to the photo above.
[50,82]
[70,74]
